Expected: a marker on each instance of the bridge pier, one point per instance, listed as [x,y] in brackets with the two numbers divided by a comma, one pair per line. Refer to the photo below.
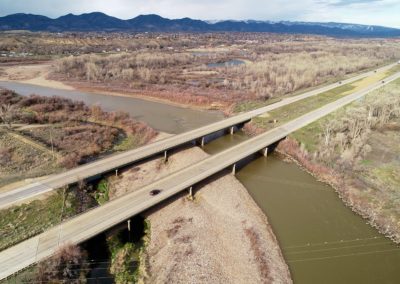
[165,156]
[190,196]
[232,130]
[116,172]
[202,142]
[234,169]
[129,225]
[264,152]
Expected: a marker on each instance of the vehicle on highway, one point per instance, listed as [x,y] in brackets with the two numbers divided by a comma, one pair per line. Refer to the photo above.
[155,192]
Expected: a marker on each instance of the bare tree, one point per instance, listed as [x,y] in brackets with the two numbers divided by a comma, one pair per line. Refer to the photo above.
[5,156]
[68,265]
[7,114]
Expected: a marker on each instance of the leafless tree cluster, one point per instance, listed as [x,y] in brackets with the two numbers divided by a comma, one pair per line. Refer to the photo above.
[50,44]
[7,114]
[68,265]
[82,132]
[275,65]
[345,140]
[148,67]
[281,68]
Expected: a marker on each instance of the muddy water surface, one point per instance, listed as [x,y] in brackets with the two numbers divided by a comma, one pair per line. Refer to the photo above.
[322,240]
[162,117]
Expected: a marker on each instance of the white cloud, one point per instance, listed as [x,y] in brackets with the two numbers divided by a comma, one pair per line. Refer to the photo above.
[379,12]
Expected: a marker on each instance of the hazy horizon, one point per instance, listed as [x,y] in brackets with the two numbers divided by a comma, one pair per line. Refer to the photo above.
[365,12]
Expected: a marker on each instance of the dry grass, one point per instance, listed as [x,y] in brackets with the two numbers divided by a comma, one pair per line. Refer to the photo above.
[21,161]
[275,66]
[71,130]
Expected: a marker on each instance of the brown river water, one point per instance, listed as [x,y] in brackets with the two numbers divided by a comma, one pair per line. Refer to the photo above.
[162,117]
[322,240]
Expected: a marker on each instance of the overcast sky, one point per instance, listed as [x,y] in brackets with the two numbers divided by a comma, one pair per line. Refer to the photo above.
[376,12]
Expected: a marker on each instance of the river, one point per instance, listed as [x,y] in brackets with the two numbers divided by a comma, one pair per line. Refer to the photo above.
[322,240]
[162,117]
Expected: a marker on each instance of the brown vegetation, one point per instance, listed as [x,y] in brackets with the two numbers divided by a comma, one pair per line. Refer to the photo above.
[5,155]
[7,114]
[20,160]
[79,132]
[259,254]
[139,66]
[344,141]
[67,265]
[272,66]
[191,69]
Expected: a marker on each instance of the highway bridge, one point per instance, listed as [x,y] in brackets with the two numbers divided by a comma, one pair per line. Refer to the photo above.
[97,220]
[117,161]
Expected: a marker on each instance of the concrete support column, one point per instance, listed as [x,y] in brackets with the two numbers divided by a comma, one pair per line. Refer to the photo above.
[264,152]
[165,156]
[234,169]
[232,130]
[129,229]
[116,172]
[190,192]
[202,141]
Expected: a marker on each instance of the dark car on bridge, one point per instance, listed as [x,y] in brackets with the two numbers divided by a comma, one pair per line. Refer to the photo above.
[155,192]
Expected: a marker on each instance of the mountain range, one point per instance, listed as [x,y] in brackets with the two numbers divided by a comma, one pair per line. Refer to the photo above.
[97,21]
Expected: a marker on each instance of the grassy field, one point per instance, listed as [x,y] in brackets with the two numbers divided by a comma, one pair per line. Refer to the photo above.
[21,222]
[310,134]
[26,161]
[393,70]
[294,110]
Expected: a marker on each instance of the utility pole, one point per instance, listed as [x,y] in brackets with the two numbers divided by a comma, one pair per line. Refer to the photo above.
[51,141]
[61,217]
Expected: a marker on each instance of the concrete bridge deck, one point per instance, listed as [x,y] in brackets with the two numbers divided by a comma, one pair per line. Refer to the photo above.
[129,157]
[97,220]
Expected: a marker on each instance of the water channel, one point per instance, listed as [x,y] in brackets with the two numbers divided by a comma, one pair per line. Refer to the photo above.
[322,240]
[230,63]
[162,117]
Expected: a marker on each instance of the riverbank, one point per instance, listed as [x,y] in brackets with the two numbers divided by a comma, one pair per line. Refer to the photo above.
[220,237]
[59,134]
[39,75]
[34,74]
[149,95]
[352,195]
